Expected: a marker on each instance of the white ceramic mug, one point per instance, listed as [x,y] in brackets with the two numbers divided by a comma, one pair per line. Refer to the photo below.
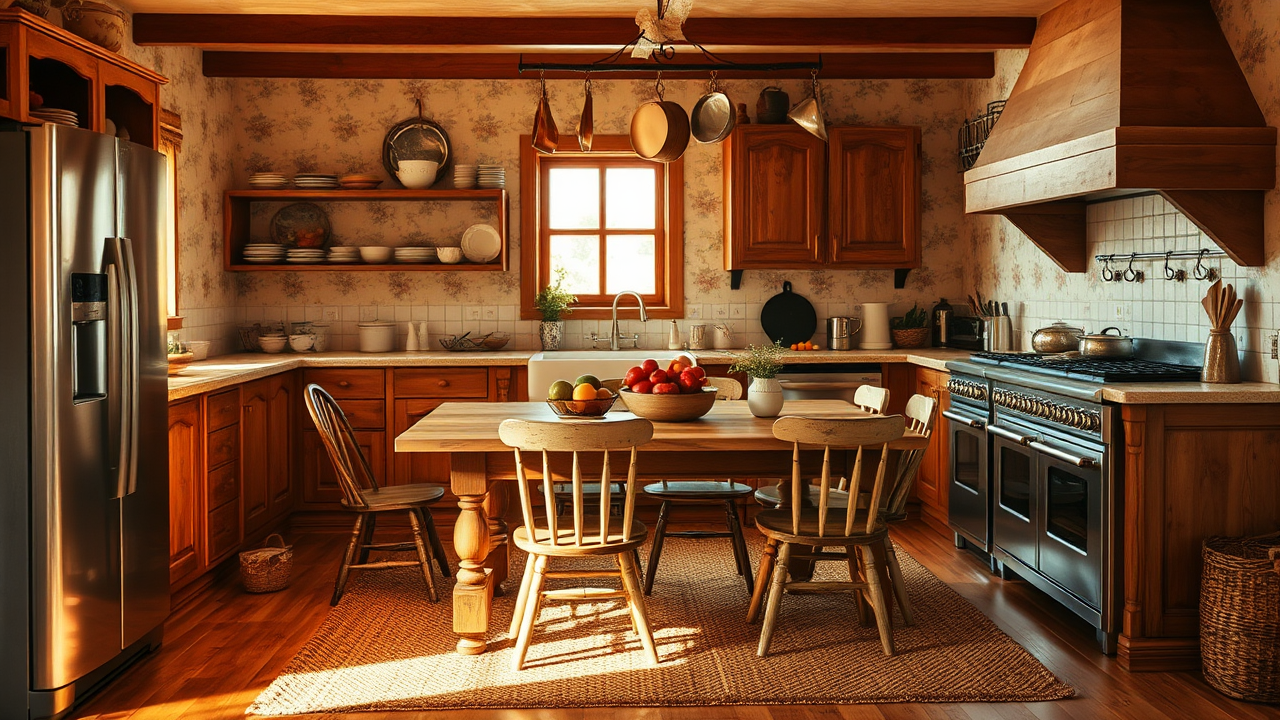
[417,174]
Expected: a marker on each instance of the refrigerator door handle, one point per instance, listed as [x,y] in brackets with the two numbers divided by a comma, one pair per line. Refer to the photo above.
[133,355]
[124,309]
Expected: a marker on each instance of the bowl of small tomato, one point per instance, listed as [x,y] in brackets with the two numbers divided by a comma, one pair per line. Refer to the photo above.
[677,394]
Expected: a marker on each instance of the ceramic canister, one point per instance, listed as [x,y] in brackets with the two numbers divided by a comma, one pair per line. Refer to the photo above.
[875,327]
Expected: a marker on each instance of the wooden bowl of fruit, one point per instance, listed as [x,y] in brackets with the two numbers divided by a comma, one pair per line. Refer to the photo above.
[677,394]
[583,398]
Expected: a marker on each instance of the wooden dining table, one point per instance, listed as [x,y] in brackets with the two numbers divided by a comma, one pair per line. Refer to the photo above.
[728,442]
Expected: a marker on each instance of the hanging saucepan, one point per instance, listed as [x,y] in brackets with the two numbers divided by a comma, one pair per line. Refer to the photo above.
[660,129]
[546,137]
[808,112]
[712,118]
[586,125]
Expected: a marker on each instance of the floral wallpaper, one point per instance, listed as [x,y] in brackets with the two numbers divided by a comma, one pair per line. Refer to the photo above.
[1009,267]
[338,126]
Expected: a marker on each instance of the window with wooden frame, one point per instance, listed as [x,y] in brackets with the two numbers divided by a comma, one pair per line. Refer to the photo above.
[170,144]
[610,219]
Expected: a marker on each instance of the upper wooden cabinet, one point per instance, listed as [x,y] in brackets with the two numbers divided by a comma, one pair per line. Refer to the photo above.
[793,201]
[874,202]
[72,73]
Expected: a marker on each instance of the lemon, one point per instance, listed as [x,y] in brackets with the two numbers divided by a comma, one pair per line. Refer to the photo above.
[584,391]
[591,380]
[560,390]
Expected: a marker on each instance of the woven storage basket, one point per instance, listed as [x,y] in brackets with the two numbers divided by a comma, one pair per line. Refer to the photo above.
[267,568]
[913,338]
[1240,617]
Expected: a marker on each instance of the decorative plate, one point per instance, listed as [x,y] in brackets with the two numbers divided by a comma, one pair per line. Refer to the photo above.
[416,139]
[302,225]
[481,243]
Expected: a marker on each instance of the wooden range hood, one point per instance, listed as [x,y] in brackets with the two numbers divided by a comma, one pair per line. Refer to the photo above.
[1120,97]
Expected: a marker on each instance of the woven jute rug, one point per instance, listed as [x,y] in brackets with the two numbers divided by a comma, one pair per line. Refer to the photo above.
[386,647]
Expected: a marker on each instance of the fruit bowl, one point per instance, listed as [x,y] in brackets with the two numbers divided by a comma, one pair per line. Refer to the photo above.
[582,408]
[670,407]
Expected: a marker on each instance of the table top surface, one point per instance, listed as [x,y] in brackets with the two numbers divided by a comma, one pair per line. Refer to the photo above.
[473,427]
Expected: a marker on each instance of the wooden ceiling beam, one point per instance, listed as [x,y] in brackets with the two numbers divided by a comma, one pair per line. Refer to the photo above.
[283,31]
[503,66]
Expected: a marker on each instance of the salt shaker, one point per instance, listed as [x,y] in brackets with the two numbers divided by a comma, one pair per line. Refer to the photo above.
[411,344]
[673,339]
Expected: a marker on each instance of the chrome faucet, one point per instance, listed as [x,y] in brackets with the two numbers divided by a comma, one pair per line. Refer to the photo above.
[613,329]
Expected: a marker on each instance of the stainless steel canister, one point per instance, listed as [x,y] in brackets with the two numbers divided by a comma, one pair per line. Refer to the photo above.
[840,332]
[697,337]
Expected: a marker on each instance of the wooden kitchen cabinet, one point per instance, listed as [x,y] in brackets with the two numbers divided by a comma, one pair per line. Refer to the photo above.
[222,480]
[793,201]
[932,483]
[874,204]
[266,430]
[774,197]
[186,488]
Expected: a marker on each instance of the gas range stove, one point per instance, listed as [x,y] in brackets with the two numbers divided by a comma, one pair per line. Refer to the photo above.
[1102,370]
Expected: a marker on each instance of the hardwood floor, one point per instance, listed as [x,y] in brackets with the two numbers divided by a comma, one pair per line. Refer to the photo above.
[225,646]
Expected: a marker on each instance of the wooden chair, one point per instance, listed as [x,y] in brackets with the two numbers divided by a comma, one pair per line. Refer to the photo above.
[702,492]
[867,398]
[825,526]
[362,495]
[553,536]
[920,413]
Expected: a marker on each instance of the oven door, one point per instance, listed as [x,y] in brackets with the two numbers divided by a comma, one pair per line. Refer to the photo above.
[1014,527]
[969,503]
[1072,509]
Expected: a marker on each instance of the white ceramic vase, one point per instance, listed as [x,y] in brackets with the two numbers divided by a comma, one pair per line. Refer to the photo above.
[764,397]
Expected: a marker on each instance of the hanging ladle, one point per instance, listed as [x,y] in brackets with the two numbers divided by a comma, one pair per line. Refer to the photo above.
[586,125]
[546,137]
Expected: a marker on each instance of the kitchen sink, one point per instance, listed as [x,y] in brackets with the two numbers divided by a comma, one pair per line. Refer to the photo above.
[547,367]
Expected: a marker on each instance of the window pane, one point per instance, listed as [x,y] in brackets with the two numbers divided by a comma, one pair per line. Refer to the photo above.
[629,198]
[579,255]
[575,198]
[629,264]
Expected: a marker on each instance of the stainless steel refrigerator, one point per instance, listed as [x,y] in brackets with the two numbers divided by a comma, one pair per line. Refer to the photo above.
[84,499]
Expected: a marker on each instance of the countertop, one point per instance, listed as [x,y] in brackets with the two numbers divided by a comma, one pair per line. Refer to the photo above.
[1190,393]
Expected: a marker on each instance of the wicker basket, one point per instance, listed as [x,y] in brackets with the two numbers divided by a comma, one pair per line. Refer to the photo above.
[1240,617]
[913,338]
[267,568]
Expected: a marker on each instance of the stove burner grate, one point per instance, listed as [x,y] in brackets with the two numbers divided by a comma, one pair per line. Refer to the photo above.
[1093,369]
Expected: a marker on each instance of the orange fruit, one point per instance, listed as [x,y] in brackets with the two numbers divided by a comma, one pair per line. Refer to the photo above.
[794,346]
[603,394]
[584,391]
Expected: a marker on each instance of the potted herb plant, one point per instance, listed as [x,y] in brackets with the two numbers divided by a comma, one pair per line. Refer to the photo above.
[553,302]
[762,363]
[911,330]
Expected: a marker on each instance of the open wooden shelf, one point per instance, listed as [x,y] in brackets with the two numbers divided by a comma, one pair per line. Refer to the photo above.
[236,214]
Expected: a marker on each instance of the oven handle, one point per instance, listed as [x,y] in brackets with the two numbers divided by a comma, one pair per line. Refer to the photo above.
[1077,460]
[957,417]
[1023,440]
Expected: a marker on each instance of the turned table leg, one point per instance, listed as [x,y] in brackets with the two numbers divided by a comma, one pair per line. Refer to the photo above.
[473,591]
[495,507]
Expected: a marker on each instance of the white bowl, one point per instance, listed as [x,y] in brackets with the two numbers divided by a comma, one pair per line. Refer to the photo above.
[302,343]
[273,344]
[375,254]
[199,349]
[449,255]
[377,337]
[417,174]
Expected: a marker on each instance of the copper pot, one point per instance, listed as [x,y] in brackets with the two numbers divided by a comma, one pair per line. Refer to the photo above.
[1104,344]
[586,125]
[660,131]
[1057,338]
[546,137]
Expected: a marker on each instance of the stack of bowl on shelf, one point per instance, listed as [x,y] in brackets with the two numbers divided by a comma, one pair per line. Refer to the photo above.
[464,176]
[344,254]
[305,256]
[57,116]
[267,181]
[264,253]
[359,181]
[415,255]
[492,176]
[315,181]
[272,340]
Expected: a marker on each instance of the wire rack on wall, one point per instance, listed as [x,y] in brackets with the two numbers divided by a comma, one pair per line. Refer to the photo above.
[974,133]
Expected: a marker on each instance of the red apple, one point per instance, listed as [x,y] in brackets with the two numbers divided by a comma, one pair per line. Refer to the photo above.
[689,381]
[634,375]
[697,370]
[649,366]
[657,377]
[644,387]
[666,388]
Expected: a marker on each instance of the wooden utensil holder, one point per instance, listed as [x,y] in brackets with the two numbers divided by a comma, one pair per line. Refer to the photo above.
[1221,360]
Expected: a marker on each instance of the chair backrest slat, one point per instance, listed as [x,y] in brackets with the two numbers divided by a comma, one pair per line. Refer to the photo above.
[526,502]
[852,513]
[355,475]
[579,438]
[921,412]
[875,432]
[872,399]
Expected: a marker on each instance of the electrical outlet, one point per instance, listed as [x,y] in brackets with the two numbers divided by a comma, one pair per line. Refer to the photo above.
[490,312]
[331,314]
[1275,345]
[693,312]
[738,311]
[471,313]
[721,312]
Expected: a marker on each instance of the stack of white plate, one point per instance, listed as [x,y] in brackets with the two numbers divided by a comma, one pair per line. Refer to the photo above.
[56,116]
[263,253]
[415,254]
[464,176]
[267,181]
[481,243]
[308,256]
[315,181]
[491,176]
[344,254]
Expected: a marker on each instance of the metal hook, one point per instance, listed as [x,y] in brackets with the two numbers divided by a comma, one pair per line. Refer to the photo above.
[1178,275]
[658,87]
[1107,273]
[1130,274]
[712,84]
[813,73]
[542,80]
[1202,272]
[417,103]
